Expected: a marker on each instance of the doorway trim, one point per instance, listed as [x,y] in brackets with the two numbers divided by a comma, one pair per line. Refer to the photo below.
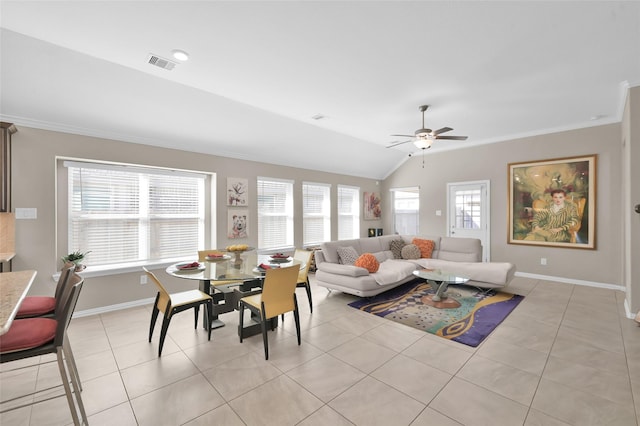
[485,211]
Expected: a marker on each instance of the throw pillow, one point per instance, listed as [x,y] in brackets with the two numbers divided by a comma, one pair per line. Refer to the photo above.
[426,247]
[396,248]
[368,262]
[410,251]
[347,255]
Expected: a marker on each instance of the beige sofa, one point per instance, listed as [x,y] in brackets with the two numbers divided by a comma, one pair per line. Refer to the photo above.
[456,255]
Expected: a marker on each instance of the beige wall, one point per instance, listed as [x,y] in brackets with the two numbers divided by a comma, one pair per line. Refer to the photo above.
[34,153]
[631,185]
[489,162]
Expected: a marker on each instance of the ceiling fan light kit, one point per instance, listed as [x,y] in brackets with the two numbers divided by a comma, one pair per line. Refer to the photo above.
[423,138]
[423,143]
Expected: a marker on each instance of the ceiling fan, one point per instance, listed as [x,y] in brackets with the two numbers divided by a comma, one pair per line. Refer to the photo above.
[423,138]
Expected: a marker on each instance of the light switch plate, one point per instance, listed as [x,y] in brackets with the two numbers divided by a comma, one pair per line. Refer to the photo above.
[26,213]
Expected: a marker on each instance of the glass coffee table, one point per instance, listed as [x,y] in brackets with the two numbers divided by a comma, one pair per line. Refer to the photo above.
[440,281]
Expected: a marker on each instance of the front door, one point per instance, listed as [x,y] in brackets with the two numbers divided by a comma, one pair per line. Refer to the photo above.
[468,212]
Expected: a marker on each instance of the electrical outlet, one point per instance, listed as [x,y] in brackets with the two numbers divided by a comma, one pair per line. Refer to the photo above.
[143,279]
[543,260]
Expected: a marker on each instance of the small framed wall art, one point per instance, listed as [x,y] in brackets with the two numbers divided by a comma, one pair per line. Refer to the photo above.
[237,192]
[238,223]
[372,207]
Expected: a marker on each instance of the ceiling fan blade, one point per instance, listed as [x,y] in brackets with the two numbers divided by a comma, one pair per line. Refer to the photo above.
[453,138]
[392,144]
[404,136]
[443,130]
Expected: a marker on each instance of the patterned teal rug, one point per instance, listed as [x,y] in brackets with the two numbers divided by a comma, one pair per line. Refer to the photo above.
[479,313]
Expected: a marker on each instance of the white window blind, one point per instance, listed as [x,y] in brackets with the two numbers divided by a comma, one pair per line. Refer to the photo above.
[275,213]
[316,210]
[133,214]
[348,212]
[406,210]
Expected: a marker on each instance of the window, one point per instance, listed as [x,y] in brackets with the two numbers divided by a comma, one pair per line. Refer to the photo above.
[406,210]
[348,212]
[316,210]
[275,214]
[127,214]
[468,203]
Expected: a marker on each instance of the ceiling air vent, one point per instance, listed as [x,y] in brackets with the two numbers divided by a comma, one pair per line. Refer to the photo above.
[161,62]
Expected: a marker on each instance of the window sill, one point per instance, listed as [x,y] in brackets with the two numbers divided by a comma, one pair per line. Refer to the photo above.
[102,271]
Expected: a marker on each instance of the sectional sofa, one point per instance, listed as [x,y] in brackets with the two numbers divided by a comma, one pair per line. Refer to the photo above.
[456,255]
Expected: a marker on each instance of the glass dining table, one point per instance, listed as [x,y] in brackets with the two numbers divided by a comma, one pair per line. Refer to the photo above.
[230,277]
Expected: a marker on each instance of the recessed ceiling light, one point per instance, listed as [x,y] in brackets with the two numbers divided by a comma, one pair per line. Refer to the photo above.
[317,117]
[180,55]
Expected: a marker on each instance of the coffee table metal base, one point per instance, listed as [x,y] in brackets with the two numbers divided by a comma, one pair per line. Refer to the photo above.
[444,302]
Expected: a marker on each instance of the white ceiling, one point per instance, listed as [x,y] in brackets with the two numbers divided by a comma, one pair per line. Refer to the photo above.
[260,70]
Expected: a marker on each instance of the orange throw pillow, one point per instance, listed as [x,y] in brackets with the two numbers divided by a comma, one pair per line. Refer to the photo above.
[368,262]
[426,247]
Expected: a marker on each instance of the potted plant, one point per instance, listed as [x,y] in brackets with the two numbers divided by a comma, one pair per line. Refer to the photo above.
[76,258]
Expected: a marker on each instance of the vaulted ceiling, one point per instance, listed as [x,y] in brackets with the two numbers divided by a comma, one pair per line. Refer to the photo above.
[317,85]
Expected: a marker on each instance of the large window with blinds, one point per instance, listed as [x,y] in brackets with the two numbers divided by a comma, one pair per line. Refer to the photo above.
[128,214]
[316,211]
[406,210]
[348,212]
[275,214]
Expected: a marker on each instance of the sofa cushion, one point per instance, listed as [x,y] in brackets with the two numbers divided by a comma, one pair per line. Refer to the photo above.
[330,249]
[426,247]
[368,261]
[394,271]
[396,248]
[336,269]
[347,255]
[410,251]
[371,245]
[383,255]
[460,249]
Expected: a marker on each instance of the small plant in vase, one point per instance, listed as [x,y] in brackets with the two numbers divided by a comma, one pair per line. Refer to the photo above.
[76,258]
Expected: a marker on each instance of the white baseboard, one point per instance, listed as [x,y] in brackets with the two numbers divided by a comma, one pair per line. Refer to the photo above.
[111,308]
[571,281]
[627,308]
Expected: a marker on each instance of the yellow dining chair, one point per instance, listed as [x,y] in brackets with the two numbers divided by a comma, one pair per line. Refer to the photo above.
[278,297]
[304,256]
[170,304]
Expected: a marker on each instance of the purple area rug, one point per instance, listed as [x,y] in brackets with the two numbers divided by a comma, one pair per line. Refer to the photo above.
[479,313]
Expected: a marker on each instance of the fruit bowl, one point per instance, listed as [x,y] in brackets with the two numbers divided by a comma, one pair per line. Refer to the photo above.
[238,249]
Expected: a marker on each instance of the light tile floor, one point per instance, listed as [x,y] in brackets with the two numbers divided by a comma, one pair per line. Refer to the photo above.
[565,356]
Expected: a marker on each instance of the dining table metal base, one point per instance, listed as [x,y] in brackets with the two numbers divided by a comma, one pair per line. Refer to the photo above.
[226,298]
[255,327]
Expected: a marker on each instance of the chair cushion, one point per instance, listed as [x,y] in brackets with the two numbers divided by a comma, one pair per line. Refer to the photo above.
[368,262]
[425,246]
[35,306]
[27,334]
[347,255]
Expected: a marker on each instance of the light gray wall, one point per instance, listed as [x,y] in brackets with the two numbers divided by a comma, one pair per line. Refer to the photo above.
[631,185]
[33,159]
[489,162]
[34,153]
